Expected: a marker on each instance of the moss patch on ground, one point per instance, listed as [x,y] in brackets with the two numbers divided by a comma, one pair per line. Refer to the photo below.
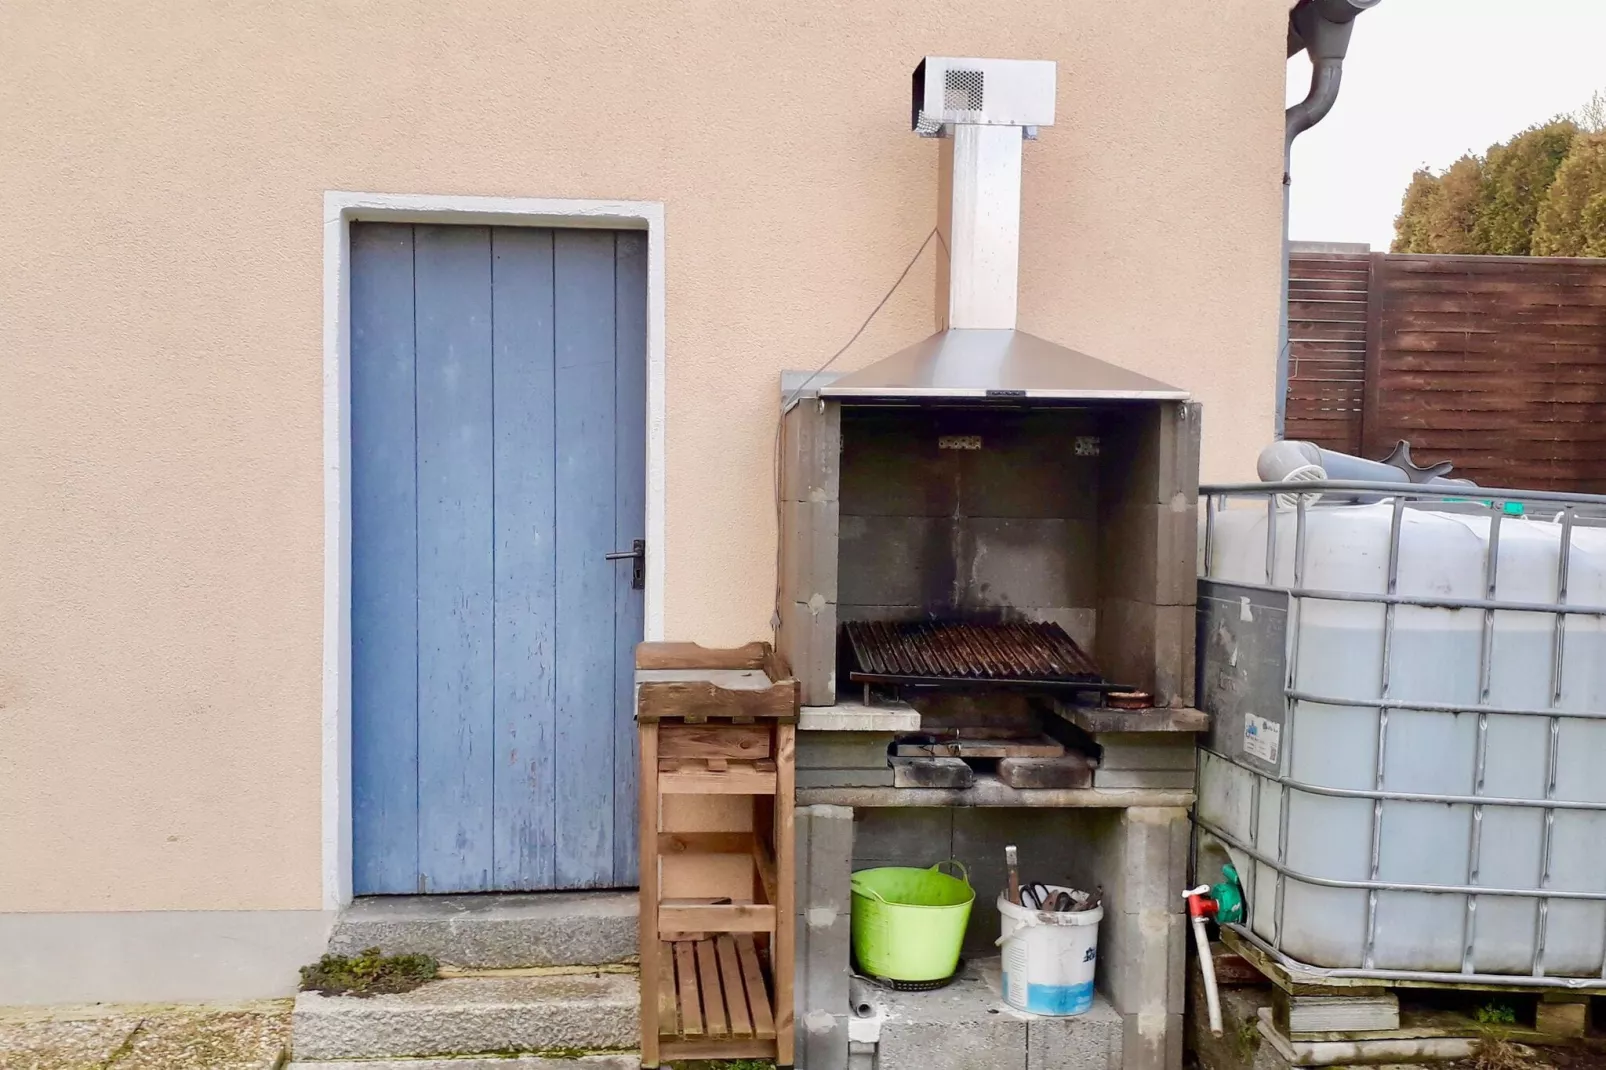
[368,973]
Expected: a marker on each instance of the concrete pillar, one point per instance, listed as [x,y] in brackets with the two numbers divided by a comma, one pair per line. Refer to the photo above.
[824,838]
[1142,941]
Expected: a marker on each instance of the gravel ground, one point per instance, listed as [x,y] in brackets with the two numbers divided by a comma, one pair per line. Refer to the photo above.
[248,1037]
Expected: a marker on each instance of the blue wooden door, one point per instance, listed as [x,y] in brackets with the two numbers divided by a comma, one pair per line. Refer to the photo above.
[498,413]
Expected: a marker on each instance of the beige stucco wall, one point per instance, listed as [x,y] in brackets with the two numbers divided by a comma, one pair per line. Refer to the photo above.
[163,166]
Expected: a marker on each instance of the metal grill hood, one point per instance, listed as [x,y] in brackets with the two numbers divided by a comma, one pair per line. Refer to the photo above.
[983,109]
[982,363]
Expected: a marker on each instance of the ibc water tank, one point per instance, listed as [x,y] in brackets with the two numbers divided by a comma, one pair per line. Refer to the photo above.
[1428,794]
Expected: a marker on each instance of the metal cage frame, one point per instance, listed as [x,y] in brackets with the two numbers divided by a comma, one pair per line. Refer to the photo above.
[1297,497]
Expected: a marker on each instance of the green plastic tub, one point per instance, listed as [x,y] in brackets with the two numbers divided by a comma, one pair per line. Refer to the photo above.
[908,924]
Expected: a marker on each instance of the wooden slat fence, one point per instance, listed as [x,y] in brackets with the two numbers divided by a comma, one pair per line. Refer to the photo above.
[1327,347]
[1496,364]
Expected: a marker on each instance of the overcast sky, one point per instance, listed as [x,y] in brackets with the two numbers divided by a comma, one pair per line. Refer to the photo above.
[1425,81]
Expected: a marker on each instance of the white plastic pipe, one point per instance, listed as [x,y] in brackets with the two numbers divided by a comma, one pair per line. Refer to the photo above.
[1207,965]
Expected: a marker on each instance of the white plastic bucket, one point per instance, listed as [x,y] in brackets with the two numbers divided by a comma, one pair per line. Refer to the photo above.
[1049,957]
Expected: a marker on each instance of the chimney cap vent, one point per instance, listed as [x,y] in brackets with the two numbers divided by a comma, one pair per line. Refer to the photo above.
[982,92]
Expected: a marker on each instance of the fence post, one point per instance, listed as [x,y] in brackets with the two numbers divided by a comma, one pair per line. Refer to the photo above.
[1372,391]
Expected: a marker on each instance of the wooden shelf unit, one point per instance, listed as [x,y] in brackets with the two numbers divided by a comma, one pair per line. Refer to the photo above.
[718,731]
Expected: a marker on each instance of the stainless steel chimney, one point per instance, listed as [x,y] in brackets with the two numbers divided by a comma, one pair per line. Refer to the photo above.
[986,109]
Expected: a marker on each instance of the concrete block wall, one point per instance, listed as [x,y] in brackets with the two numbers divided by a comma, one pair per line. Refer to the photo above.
[1143,938]
[1138,856]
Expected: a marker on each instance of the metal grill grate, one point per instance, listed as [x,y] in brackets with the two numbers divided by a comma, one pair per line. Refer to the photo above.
[964,652]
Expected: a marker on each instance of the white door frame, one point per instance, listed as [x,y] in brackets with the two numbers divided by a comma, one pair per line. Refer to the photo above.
[340,210]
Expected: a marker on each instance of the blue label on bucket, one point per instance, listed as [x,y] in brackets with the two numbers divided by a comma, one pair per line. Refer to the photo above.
[1056,999]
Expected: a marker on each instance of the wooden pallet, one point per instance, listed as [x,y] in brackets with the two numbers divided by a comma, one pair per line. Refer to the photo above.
[717,731]
[1558,1012]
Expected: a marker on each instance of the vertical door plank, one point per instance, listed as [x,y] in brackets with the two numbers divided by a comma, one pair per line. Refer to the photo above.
[584,304]
[455,572]
[526,545]
[384,531]
[630,519]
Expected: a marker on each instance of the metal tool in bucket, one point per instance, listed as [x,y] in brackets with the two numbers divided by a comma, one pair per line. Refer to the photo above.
[1049,937]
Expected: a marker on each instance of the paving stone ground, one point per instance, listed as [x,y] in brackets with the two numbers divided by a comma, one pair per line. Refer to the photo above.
[247,1037]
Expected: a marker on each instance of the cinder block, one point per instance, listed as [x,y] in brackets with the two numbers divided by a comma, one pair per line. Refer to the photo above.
[1149,647]
[845,778]
[932,773]
[809,550]
[993,1042]
[1144,1042]
[830,955]
[1137,779]
[822,1041]
[811,451]
[830,859]
[1136,954]
[1090,1041]
[1147,750]
[808,641]
[829,963]
[1176,992]
[912,836]
[843,750]
[1151,454]
[1176,1035]
[1148,552]
[1135,860]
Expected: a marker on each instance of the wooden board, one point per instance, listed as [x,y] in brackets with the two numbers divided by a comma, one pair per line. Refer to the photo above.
[730,973]
[662,655]
[744,779]
[713,991]
[690,999]
[758,998]
[1322,984]
[972,747]
[714,741]
[728,918]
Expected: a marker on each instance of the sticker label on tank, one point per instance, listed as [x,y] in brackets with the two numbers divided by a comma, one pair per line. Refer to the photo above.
[1262,738]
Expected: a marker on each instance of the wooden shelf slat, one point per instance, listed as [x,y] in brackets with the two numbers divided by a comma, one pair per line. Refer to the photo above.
[736,780]
[724,918]
[668,1012]
[758,997]
[730,972]
[691,1007]
[704,843]
[712,991]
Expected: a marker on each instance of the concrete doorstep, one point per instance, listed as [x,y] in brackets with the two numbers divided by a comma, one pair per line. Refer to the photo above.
[566,1014]
[494,931]
[515,1062]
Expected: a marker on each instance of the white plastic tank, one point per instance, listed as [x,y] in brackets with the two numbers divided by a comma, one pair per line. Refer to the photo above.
[1336,650]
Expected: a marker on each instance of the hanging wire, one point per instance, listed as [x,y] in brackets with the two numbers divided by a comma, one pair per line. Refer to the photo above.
[786,406]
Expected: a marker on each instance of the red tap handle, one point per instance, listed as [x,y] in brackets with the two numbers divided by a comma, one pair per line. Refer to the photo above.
[1202,906]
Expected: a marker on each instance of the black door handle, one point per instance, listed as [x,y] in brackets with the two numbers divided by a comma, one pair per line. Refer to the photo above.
[637,554]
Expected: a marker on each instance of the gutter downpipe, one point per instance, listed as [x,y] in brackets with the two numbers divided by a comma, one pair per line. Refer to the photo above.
[1321,28]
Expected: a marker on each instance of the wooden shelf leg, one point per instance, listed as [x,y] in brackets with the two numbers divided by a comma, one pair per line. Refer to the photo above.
[648,911]
[781,949]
